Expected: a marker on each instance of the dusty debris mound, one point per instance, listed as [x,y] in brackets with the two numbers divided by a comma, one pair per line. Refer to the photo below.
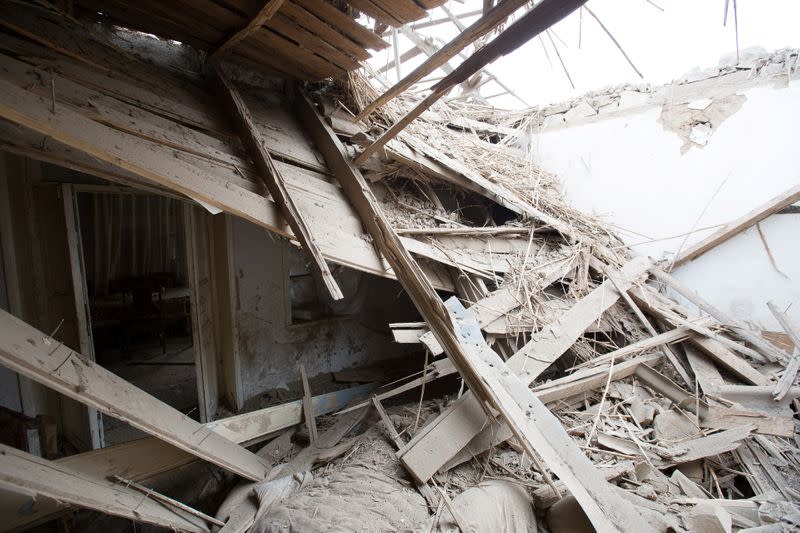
[678,420]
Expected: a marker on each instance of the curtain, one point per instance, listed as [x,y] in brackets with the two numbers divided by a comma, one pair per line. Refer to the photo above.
[131,235]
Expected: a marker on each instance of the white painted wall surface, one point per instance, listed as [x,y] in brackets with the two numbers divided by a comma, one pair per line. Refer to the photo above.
[629,170]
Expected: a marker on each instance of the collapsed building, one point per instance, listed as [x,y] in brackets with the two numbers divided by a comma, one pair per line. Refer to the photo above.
[245,291]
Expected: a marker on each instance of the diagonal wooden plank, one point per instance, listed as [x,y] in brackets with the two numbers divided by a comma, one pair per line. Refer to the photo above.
[37,356]
[737,226]
[431,448]
[274,182]
[20,471]
[540,432]
[475,31]
[538,19]
[147,458]
[265,13]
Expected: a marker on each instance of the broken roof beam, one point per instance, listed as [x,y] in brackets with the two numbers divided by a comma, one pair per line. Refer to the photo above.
[26,473]
[475,31]
[540,433]
[535,21]
[437,443]
[41,358]
[270,8]
[790,373]
[535,427]
[271,178]
[739,328]
[737,226]
[149,457]
[363,200]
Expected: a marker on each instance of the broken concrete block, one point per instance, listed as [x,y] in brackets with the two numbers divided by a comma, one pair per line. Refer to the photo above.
[582,110]
[653,477]
[633,99]
[647,492]
[747,55]
[709,518]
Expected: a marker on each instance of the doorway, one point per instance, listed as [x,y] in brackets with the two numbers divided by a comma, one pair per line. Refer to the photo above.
[138,296]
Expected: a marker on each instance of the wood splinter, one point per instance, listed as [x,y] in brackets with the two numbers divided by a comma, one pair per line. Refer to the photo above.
[147,491]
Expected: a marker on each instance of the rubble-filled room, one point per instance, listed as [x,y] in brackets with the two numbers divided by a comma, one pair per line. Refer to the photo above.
[414,265]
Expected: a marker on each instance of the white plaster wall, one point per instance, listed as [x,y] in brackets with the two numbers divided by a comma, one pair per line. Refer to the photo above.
[271,349]
[629,170]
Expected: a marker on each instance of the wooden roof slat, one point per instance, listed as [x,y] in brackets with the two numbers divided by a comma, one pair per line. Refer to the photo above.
[267,12]
[535,21]
[324,30]
[476,30]
[344,23]
[375,11]
[311,42]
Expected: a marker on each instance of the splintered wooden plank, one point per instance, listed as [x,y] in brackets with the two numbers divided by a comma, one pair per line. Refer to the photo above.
[541,434]
[26,473]
[340,234]
[790,374]
[274,182]
[712,348]
[540,17]
[37,356]
[434,446]
[147,458]
[475,31]
[737,226]
[270,8]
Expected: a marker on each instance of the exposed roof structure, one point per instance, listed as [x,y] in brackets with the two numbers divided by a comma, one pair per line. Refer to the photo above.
[596,387]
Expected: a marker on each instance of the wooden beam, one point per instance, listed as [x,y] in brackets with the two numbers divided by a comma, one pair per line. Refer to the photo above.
[740,329]
[737,226]
[271,178]
[475,31]
[156,163]
[308,407]
[407,270]
[147,458]
[26,473]
[535,21]
[270,8]
[790,373]
[719,353]
[441,440]
[541,434]
[36,355]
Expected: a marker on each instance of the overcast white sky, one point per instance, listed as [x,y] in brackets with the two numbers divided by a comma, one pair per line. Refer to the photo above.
[662,44]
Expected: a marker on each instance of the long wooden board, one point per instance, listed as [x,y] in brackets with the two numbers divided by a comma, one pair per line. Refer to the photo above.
[441,440]
[37,356]
[737,226]
[340,237]
[25,472]
[147,458]
[541,434]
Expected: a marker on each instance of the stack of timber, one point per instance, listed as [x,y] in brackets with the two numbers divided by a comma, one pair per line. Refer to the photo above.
[581,381]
